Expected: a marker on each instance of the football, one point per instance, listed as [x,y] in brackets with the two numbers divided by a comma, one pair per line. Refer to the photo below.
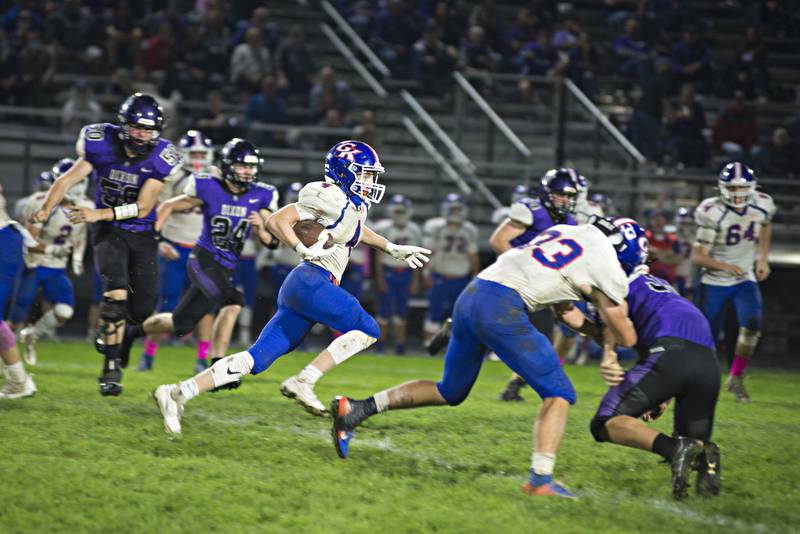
[308,233]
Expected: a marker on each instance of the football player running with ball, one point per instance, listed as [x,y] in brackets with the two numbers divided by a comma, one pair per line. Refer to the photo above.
[310,293]
[131,162]
[563,264]
[233,204]
[733,237]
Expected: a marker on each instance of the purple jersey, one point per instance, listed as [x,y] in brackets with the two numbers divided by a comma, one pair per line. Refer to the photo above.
[226,226]
[658,311]
[119,178]
[536,220]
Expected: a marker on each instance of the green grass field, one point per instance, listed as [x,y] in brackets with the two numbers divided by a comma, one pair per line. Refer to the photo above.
[252,461]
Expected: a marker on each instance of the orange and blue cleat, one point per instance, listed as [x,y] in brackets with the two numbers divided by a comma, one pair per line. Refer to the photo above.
[550,489]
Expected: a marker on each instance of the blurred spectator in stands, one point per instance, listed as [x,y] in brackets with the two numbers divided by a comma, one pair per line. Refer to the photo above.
[189,73]
[216,37]
[686,120]
[539,58]
[571,41]
[9,68]
[295,63]
[332,119]
[522,32]
[266,107]
[433,61]
[123,37]
[12,16]
[691,59]
[735,130]
[486,16]
[780,157]
[645,124]
[213,121]
[159,50]
[250,61]
[359,15]
[450,21]
[367,130]
[81,108]
[751,73]
[476,54]
[259,19]
[634,55]
[772,19]
[393,33]
[37,65]
[75,40]
[665,249]
[328,93]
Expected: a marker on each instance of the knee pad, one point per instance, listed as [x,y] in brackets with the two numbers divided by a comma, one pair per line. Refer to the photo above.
[370,327]
[453,396]
[348,344]
[63,311]
[231,368]
[7,337]
[598,428]
[112,313]
[553,384]
[748,338]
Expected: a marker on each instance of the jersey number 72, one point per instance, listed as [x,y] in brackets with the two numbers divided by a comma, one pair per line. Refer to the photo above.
[558,253]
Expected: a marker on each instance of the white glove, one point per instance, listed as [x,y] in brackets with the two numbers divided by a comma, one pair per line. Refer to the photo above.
[415,257]
[57,251]
[316,251]
[77,267]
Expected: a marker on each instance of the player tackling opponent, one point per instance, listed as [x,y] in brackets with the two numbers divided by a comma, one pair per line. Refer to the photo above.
[131,162]
[310,293]
[733,237]
[563,264]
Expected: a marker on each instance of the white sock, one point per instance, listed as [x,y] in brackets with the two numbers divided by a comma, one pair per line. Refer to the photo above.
[310,374]
[543,464]
[245,319]
[186,391]
[381,401]
[47,323]
[16,373]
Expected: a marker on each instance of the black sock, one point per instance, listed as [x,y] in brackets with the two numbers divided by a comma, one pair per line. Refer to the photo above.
[369,407]
[665,446]
[515,384]
[112,358]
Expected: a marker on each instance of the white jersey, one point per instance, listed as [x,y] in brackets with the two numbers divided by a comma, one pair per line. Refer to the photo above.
[182,227]
[56,231]
[328,205]
[452,246]
[284,255]
[732,237]
[409,234]
[551,269]
[585,208]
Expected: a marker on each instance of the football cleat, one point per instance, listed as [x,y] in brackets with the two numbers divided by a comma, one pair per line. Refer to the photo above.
[18,390]
[511,393]
[28,336]
[171,410]
[230,385]
[110,382]
[145,363]
[303,393]
[709,471]
[736,386]
[684,460]
[551,489]
[343,424]
[441,338]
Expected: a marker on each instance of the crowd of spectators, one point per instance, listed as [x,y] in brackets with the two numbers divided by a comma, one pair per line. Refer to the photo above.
[229,63]
[234,55]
